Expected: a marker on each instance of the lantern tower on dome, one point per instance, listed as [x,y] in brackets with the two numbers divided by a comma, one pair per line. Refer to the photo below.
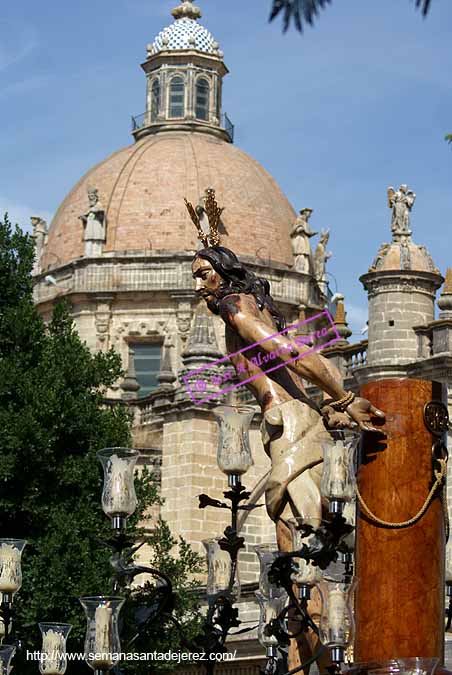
[184,92]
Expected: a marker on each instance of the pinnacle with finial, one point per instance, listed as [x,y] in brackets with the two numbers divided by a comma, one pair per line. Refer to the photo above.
[130,384]
[445,299]
[447,289]
[186,10]
[166,376]
[340,322]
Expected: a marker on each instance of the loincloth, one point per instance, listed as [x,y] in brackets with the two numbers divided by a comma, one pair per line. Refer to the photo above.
[292,434]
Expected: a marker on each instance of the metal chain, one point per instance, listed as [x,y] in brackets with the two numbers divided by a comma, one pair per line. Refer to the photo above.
[440,476]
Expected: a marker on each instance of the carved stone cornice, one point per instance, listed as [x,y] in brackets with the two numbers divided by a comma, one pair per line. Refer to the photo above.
[145,271]
[404,281]
[438,368]
[367,374]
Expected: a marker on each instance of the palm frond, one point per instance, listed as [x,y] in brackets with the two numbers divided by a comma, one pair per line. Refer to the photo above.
[424,5]
[305,11]
[298,11]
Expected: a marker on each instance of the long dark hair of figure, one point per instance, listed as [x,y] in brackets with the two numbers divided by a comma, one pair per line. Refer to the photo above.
[237,279]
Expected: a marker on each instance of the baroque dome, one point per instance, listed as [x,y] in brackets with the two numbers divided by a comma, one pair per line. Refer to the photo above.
[142,189]
[403,255]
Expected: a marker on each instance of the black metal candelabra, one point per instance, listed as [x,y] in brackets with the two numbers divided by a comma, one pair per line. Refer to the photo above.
[327,543]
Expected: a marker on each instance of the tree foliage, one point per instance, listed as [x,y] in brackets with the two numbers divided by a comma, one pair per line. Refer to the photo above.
[301,12]
[53,421]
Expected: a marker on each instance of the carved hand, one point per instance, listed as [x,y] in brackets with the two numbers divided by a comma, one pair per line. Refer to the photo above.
[337,420]
[361,411]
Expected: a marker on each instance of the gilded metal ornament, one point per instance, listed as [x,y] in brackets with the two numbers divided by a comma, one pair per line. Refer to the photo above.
[436,417]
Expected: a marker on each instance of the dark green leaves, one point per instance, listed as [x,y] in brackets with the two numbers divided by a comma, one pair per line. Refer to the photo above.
[301,12]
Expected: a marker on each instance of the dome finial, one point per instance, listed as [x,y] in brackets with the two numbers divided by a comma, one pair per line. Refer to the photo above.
[340,321]
[186,10]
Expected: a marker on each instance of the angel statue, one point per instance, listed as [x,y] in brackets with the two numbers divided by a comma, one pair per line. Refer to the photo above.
[401,203]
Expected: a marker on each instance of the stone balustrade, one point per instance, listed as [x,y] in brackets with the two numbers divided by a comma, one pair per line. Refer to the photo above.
[150,271]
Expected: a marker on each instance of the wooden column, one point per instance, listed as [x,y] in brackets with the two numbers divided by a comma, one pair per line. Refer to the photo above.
[400,595]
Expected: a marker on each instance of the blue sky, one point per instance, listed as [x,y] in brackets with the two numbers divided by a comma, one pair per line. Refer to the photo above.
[360,102]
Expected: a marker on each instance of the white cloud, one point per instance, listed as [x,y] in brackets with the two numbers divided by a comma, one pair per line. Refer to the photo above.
[21,213]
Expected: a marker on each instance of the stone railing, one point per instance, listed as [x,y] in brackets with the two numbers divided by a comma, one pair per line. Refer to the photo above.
[150,271]
[144,121]
[355,356]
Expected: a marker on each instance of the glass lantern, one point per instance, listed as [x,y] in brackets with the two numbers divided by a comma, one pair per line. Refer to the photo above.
[407,666]
[307,574]
[270,609]
[222,577]
[102,645]
[53,659]
[234,452]
[119,499]
[10,568]
[267,554]
[336,622]
[338,483]
[6,654]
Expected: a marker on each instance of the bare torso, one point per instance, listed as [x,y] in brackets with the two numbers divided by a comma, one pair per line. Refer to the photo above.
[270,389]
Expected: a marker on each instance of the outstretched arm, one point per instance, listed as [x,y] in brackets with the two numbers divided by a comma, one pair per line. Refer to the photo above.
[242,315]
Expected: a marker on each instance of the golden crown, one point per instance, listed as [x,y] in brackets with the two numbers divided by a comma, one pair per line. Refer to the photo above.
[213,212]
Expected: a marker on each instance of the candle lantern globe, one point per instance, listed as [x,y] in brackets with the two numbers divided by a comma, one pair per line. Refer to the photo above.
[102,644]
[408,666]
[119,499]
[307,574]
[336,620]
[53,660]
[267,554]
[269,611]
[6,654]
[234,452]
[222,577]
[10,568]
[338,484]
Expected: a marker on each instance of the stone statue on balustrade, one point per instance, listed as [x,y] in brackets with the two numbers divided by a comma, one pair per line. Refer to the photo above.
[94,225]
[40,236]
[293,425]
[301,247]
[401,202]
[321,257]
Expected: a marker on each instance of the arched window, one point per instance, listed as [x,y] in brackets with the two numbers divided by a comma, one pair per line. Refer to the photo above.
[177,97]
[202,99]
[155,100]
